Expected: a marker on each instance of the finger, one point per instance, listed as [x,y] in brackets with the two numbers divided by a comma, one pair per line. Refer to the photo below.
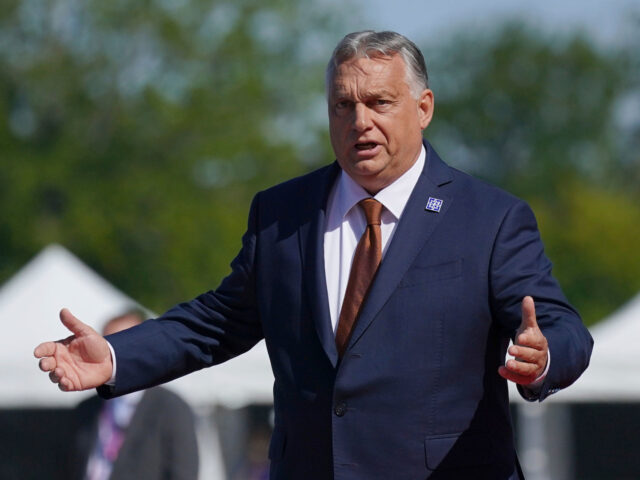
[47,364]
[533,339]
[514,377]
[72,323]
[54,377]
[528,313]
[44,350]
[64,385]
[525,369]
[527,354]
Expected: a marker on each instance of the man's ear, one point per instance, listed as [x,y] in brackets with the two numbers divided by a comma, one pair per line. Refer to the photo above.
[425,108]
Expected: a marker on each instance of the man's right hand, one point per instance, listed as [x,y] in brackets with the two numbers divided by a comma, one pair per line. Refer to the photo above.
[78,362]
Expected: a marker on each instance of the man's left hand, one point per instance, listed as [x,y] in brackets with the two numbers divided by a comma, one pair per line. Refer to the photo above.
[530,349]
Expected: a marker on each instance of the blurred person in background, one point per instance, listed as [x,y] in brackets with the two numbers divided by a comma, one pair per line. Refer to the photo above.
[145,435]
[255,465]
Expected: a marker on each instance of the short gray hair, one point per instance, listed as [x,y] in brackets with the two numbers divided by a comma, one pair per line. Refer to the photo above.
[374,44]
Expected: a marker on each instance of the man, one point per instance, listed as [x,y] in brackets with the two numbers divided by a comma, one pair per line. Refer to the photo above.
[384,369]
[144,435]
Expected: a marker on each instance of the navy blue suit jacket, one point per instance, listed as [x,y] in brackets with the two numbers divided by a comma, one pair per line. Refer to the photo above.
[417,394]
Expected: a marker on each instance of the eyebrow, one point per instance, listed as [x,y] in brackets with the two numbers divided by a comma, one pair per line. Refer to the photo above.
[381,93]
[339,91]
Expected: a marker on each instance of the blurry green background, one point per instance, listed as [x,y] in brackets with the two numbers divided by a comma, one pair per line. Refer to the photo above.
[136,133]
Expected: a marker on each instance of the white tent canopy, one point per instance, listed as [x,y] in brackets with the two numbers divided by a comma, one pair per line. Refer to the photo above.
[29,306]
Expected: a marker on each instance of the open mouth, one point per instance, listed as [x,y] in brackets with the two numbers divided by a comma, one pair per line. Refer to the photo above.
[366,146]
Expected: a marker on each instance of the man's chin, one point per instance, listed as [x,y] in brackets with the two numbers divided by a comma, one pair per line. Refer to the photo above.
[364,169]
[372,180]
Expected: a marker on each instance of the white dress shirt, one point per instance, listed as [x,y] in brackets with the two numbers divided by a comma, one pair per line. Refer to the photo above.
[345,224]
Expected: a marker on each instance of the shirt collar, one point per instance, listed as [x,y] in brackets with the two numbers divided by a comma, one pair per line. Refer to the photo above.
[394,197]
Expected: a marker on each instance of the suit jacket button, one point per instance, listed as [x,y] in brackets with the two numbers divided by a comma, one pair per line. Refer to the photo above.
[340,409]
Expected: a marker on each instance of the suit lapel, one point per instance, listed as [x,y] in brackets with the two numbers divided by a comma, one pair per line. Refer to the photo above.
[412,232]
[311,236]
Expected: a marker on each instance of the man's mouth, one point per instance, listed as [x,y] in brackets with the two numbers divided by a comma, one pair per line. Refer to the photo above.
[365,146]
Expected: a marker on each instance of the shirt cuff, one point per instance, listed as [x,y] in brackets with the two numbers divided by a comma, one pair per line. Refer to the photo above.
[533,389]
[112,381]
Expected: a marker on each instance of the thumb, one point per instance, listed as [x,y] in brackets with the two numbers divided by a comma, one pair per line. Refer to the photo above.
[528,314]
[74,325]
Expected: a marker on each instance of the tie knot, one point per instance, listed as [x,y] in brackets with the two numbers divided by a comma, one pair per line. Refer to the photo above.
[372,210]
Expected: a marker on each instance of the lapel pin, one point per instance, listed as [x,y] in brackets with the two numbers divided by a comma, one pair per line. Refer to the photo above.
[433,205]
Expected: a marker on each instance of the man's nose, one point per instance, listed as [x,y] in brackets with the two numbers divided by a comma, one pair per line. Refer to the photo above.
[362,117]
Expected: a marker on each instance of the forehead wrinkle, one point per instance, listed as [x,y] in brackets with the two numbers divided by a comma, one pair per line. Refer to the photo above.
[368,92]
[366,86]
[371,78]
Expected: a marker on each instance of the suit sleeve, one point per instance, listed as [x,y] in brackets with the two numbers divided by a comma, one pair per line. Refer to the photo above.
[518,268]
[205,331]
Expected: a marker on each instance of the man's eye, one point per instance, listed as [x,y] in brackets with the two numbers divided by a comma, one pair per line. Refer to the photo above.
[342,105]
[382,101]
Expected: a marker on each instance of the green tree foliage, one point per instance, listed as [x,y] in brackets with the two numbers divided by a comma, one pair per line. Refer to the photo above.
[592,232]
[136,133]
[557,122]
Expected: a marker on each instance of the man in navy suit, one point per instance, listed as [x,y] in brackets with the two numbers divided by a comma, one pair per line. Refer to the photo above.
[419,389]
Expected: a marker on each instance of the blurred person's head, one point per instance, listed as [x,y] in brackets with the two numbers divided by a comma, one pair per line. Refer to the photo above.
[128,319]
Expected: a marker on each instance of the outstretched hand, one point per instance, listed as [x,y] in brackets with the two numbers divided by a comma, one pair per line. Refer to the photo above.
[530,349]
[78,362]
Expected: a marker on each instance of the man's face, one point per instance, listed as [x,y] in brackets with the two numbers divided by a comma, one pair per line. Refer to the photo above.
[374,122]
